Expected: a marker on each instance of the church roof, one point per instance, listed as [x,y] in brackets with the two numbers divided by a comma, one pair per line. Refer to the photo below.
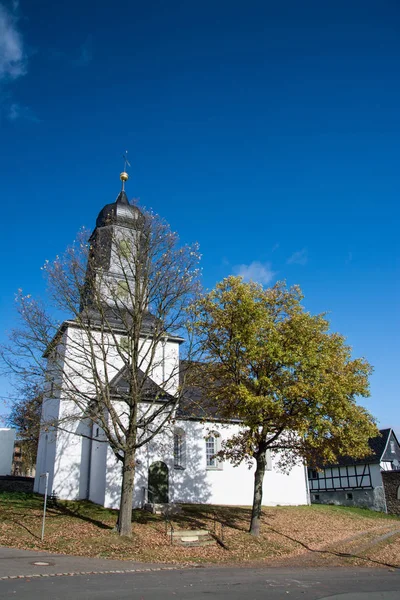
[115,318]
[120,212]
[195,404]
[150,391]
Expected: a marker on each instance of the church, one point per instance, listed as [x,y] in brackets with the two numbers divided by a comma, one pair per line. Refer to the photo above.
[177,465]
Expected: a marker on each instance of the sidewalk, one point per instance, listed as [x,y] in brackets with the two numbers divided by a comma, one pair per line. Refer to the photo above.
[16,563]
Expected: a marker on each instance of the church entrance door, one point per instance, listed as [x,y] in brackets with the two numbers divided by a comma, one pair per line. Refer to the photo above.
[158,483]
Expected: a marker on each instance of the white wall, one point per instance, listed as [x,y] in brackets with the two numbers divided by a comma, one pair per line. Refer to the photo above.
[376,476]
[231,485]
[197,484]
[98,467]
[352,476]
[64,453]
[7,439]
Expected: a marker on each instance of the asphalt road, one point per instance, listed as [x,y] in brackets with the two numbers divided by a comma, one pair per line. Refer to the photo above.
[214,583]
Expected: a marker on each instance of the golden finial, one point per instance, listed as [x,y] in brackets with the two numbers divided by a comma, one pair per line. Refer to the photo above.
[124,175]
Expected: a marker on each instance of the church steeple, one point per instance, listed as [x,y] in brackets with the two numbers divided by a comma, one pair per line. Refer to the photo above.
[124,175]
[113,245]
[120,212]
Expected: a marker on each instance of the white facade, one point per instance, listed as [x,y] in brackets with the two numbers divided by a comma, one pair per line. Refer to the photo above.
[195,483]
[74,451]
[7,439]
[82,465]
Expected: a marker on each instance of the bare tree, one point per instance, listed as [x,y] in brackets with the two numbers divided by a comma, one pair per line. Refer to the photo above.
[127,288]
[24,416]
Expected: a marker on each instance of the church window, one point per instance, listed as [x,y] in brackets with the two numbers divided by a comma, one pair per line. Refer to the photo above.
[179,449]
[123,344]
[268,461]
[122,289]
[212,447]
[124,249]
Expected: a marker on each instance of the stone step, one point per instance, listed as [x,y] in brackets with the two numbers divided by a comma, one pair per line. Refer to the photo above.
[162,509]
[198,544]
[192,537]
[190,532]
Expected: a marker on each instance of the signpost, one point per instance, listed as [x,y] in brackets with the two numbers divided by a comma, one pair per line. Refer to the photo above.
[46,475]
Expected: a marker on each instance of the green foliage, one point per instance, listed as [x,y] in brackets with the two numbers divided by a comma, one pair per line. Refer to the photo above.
[291,381]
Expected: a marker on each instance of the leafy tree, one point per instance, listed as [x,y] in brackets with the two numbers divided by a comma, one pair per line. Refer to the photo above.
[125,290]
[291,382]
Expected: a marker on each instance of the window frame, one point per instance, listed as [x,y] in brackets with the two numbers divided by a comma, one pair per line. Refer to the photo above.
[218,464]
[179,449]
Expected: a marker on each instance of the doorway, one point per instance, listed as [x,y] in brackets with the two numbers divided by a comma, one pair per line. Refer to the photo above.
[158,483]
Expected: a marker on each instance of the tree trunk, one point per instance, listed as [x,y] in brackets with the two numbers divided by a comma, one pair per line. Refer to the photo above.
[124,524]
[257,497]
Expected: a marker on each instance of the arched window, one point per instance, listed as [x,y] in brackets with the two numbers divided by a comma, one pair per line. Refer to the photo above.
[179,448]
[213,445]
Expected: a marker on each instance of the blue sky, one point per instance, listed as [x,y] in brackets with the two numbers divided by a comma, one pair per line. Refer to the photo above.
[269,132]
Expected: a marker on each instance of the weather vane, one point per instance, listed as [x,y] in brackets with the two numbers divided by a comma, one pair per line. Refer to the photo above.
[124,175]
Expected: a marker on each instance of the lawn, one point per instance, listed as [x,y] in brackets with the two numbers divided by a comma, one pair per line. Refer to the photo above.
[85,529]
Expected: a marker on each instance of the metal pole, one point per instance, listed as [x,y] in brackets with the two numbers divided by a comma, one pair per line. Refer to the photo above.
[45,501]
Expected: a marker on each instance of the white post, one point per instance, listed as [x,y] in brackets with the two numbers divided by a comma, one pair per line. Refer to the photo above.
[45,501]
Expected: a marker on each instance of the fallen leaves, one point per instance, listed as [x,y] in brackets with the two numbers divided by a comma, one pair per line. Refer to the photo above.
[85,529]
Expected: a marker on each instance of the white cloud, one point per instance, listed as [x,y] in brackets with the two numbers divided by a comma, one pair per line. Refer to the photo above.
[256,271]
[12,56]
[298,258]
[17,111]
[85,53]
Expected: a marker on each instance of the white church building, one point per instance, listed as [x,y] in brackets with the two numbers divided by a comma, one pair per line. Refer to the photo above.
[179,464]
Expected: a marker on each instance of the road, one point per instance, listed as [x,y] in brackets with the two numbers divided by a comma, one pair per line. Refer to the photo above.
[214,583]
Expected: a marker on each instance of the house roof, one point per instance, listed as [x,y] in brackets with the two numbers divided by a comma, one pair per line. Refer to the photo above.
[377,444]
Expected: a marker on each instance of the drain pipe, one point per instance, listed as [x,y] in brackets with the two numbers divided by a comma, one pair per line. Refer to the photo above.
[89,471]
[307,485]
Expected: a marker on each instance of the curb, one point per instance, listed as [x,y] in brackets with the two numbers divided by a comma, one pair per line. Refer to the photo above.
[73,573]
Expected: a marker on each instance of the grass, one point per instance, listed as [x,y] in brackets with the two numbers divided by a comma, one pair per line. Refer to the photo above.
[352,511]
[83,528]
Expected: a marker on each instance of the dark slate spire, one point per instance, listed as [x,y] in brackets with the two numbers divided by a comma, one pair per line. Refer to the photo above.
[120,212]
[122,198]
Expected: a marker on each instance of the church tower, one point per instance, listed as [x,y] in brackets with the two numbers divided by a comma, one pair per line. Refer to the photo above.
[116,249]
